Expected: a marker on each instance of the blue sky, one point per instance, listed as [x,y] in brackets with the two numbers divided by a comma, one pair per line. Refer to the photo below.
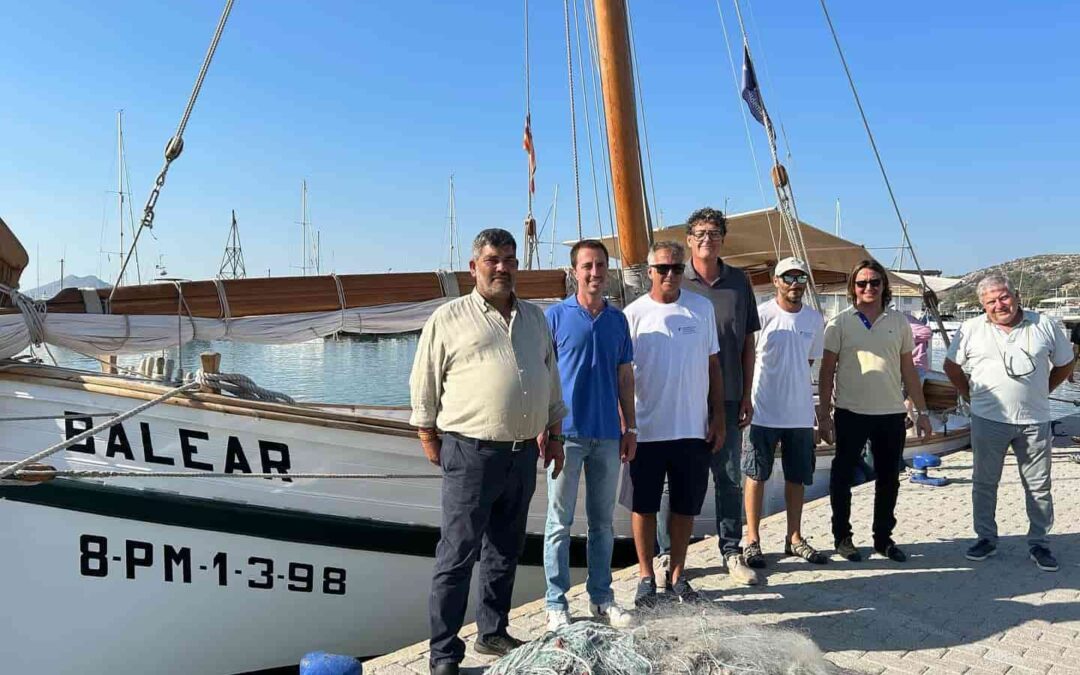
[375,104]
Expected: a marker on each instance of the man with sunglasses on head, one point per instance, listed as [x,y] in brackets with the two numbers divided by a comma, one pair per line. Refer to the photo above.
[1006,363]
[867,362]
[729,291]
[791,339]
[679,394]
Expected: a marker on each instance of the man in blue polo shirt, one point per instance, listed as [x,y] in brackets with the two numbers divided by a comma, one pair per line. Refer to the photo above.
[593,347]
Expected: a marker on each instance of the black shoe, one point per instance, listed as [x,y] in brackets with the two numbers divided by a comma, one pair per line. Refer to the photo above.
[646,593]
[753,556]
[847,549]
[682,590]
[1044,560]
[445,669]
[981,550]
[892,552]
[499,644]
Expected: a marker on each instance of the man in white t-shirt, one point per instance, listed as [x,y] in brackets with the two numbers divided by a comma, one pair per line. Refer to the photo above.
[1006,363]
[792,337]
[679,398]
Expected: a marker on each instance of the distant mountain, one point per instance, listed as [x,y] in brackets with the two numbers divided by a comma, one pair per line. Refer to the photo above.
[1037,277]
[70,281]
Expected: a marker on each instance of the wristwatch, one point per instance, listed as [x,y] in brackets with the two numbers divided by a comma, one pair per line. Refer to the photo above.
[631,430]
[557,437]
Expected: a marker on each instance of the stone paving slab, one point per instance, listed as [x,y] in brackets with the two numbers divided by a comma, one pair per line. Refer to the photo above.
[936,613]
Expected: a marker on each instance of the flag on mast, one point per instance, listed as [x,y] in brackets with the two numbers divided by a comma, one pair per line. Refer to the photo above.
[750,92]
[527,143]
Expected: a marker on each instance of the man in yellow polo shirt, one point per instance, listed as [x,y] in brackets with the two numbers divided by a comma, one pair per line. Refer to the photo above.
[868,358]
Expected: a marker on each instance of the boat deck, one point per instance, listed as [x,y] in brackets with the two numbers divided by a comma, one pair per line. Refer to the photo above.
[938,613]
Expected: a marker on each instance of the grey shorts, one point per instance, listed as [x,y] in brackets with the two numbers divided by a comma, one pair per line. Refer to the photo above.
[796,454]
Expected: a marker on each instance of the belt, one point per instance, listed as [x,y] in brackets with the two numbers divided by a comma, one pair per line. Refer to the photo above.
[513,446]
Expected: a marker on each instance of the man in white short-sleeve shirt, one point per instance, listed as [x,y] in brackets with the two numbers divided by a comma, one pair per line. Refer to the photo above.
[792,336]
[1006,363]
[679,399]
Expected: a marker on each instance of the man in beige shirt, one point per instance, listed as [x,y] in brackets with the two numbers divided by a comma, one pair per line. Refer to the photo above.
[486,376]
[868,354]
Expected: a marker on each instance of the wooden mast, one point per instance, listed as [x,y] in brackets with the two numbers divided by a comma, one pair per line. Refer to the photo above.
[617,78]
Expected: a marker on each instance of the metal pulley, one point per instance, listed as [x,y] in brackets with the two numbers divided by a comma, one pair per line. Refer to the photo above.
[779,176]
[173,148]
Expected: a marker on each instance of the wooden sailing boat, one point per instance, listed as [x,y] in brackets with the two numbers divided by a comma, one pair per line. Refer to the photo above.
[252,572]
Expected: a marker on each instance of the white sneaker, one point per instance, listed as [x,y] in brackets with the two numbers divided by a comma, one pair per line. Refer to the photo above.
[615,616]
[557,618]
[739,571]
[662,568]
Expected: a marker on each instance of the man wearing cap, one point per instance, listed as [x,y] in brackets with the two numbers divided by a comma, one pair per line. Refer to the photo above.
[486,376]
[1006,363]
[791,339]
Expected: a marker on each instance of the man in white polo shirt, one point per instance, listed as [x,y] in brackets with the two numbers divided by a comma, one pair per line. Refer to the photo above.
[791,338]
[1007,363]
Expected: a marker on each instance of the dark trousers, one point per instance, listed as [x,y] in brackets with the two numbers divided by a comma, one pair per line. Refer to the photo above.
[485,501]
[886,434]
[727,483]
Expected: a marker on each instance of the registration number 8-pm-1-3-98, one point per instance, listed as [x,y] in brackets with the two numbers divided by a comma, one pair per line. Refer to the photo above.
[96,560]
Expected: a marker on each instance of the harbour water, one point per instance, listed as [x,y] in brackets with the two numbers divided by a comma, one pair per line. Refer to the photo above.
[358,370]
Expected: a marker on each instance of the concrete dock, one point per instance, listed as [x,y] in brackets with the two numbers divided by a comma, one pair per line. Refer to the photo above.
[936,613]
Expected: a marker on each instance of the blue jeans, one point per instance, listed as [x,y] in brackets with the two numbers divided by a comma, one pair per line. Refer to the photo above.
[727,490]
[599,457]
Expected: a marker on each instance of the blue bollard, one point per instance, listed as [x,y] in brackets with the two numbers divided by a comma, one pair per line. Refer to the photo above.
[920,474]
[321,663]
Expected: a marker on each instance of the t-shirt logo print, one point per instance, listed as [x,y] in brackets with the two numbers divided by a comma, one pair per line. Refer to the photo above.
[687,330]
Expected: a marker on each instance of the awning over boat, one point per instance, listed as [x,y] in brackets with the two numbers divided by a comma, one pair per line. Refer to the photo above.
[756,241]
[937,284]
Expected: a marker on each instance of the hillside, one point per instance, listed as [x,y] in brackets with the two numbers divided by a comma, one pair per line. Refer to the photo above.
[70,281]
[1037,277]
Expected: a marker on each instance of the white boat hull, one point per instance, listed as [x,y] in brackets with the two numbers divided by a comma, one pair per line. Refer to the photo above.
[378,535]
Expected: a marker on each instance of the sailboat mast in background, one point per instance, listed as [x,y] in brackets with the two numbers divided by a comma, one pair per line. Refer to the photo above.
[617,78]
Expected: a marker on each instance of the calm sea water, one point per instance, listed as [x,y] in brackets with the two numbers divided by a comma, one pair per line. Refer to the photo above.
[366,370]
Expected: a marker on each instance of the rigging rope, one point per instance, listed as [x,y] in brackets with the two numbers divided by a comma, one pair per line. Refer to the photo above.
[174,147]
[601,120]
[929,297]
[588,120]
[78,438]
[641,105]
[573,114]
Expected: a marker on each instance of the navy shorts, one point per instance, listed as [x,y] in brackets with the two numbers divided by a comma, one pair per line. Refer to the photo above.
[685,464]
[796,454]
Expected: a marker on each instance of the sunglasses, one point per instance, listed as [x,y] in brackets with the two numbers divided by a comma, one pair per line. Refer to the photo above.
[872,283]
[664,270]
[794,278]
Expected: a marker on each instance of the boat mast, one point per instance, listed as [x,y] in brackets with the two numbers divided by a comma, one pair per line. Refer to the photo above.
[120,188]
[617,80]
[303,228]
[453,223]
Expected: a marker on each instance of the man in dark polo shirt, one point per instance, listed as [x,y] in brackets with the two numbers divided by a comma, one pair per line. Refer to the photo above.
[735,307]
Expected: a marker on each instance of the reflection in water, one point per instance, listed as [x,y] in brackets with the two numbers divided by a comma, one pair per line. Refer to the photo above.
[343,370]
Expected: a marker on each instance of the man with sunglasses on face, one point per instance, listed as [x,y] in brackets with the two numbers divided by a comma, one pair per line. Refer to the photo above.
[679,394]
[1006,363]
[791,339]
[868,363]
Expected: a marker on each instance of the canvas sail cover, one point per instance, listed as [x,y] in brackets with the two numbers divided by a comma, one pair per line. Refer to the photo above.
[755,242]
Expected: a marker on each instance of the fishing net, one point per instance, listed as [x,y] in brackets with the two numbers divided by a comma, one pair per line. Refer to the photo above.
[675,639]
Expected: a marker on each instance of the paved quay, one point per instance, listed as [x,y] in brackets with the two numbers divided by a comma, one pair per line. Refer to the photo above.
[936,613]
